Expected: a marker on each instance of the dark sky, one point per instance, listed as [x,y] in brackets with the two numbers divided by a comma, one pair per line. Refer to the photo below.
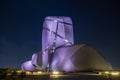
[96,22]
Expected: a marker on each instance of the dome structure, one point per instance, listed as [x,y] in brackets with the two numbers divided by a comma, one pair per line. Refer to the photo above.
[82,57]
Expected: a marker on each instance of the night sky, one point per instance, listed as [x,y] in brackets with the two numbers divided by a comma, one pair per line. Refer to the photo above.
[96,22]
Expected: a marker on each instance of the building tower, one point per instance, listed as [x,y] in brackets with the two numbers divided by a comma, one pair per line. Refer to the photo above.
[59,52]
[57,32]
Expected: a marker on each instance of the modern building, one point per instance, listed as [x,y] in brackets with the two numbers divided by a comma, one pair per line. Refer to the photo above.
[59,53]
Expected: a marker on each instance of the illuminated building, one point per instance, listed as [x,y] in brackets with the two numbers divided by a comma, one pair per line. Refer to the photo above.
[59,53]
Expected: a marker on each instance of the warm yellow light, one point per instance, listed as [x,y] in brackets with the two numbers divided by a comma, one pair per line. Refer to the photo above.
[28,73]
[107,72]
[100,73]
[34,73]
[55,72]
[54,76]
[19,71]
[39,72]
[115,73]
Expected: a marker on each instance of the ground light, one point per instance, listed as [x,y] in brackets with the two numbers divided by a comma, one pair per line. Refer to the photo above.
[115,73]
[55,72]
[39,72]
[112,73]
[28,73]
[107,72]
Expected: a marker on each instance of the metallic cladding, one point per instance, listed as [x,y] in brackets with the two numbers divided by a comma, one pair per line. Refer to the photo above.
[81,57]
[57,32]
[59,52]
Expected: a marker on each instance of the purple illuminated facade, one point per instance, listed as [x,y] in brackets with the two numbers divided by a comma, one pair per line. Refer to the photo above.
[57,32]
[59,52]
[80,57]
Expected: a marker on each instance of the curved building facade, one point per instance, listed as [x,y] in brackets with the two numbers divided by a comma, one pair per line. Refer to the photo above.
[57,32]
[82,57]
[59,52]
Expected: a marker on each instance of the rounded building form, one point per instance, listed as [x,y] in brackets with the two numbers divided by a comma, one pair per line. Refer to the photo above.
[59,52]
[81,57]
[28,66]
